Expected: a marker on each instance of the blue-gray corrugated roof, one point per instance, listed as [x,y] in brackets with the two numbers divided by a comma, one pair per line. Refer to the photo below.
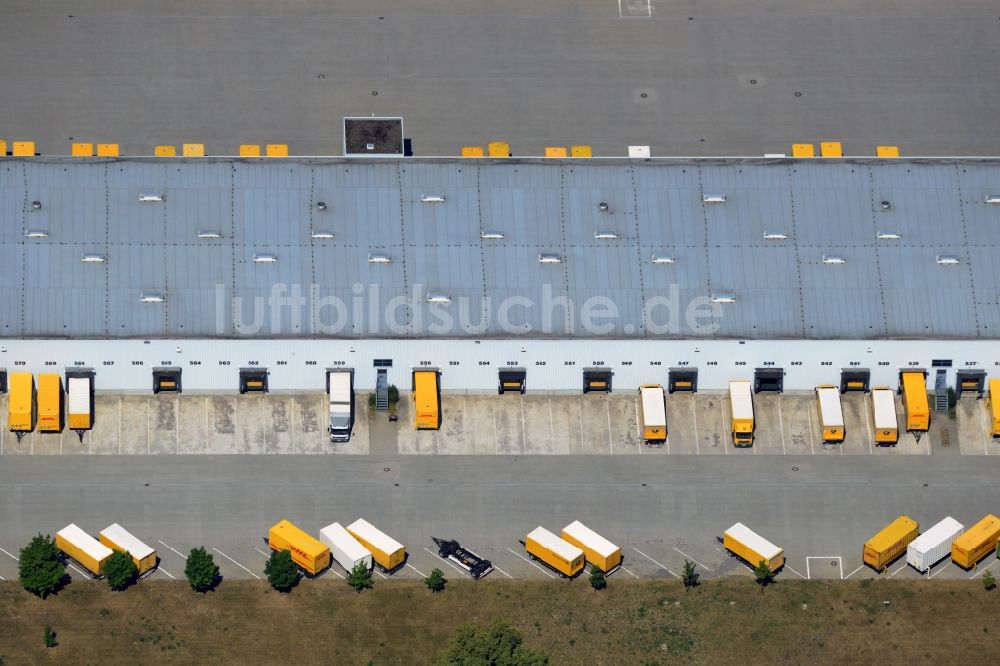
[783,288]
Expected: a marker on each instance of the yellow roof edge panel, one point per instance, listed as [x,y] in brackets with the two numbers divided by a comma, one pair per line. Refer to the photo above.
[24,149]
[194,149]
[108,150]
[887,151]
[581,151]
[249,150]
[277,150]
[555,151]
[472,151]
[165,151]
[82,149]
[803,150]
[831,149]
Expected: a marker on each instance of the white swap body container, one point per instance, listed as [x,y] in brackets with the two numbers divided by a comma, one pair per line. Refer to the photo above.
[345,549]
[375,536]
[125,540]
[885,409]
[654,411]
[933,545]
[590,539]
[831,412]
[741,399]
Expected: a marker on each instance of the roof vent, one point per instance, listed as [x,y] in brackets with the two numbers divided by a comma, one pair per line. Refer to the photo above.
[605,235]
[150,297]
[438,298]
[549,259]
[947,259]
[886,206]
[322,235]
[723,297]
[833,259]
[321,206]
[604,207]
[663,259]
[36,205]
[36,233]
[92,258]
[265,258]
[993,198]
[432,198]
[491,235]
[714,198]
[209,235]
[888,235]
[148,197]
[775,235]
[379,259]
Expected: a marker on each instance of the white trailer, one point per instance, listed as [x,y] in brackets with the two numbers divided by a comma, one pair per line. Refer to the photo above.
[831,413]
[884,415]
[80,401]
[345,549]
[933,545]
[654,413]
[340,391]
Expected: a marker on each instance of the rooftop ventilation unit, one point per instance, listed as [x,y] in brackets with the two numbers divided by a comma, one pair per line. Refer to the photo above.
[993,198]
[92,258]
[833,259]
[886,206]
[209,235]
[774,235]
[150,297]
[605,235]
[714,198]
[150,198]
[947,259]
[438,298]
[549,259]
[887,235]
[321,206]
[604,207]
[723,297]
[379,259]
[265,258]
[491,235]
[663,259]
[322,235]
[36,205]
[36,233]
[432,198]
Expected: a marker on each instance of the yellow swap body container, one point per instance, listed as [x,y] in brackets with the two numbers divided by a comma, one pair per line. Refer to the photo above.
[85,549]
[116,537]
[387,553]
[50,403]
[977,542]
[561,555]
[752,548]
[995,407]
[600,552]
[22,409]
[426,407]
[915,403]
[307,552]
[891,541]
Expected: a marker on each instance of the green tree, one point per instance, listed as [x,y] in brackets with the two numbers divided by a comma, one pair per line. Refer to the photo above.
[50,637]
[120,570]
[436,581]
[498,643]
[763,574]
[690,576]
[989,581]
[393,394]
[40,570]
[280,571]
[201,570]
[597,579]
[360,578]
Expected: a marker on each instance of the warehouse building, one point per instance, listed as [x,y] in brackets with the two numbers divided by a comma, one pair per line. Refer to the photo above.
[791,272]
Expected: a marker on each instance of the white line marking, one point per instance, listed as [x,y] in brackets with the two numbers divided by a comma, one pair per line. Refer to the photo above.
[336,573]
[380,573]
[266,556]
[629,572]
[795,572]
[688,557]
[550,575]
[77,569]
[898,570]
[2,578]
[940,569]
[781,422]
[982,426]
[236,563]
[868,428]
[854,572]
[166,572]
[173,549]
[607,406]
[655,562]
[694,419]
[416,569]
[725,448]
[520,400]
[8,554]
[812,432]
[496,445]
[503,572]
[983,569]
[449,563]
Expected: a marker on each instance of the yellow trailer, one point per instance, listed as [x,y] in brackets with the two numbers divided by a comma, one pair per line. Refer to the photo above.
[742,542]
[995,407]
[882,549]
[308,553]
[50,403]
[80,400]
[426,400]
[22,404]
[387,553]
[831,413]
[654,413]
[883,408]
[597,550]
[915,404]
[90,553]
[116,537]
[977,542]
[741,411]
[563,557]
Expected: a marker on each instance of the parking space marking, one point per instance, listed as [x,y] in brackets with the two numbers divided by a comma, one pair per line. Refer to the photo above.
[688,557]
[655,562]
[380,573]
[781,424]
[694,420]
[524,445]
[795,572]
[496,446]
[336,573]
[77,569]
[173,549]
[946,562]
[812,432]
[266,556]
[840,563]
[7,554]
[416,569]
[2,578]
[868,428]
[898,570]
[854,572]
[449,563]
[629,572]
[607,409]
[236,563]
[532,563]
[503,572]
[983,569]
[722,406]
[166,572]
[982,425]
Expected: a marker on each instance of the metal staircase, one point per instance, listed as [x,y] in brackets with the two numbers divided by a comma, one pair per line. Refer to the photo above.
[940,393]
[382,392]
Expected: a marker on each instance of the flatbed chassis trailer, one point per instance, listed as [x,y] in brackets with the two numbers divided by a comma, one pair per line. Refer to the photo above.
[477,566]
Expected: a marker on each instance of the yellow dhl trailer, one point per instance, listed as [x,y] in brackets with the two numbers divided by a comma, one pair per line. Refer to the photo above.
[891,541]
[995,407]
[597,550]
[90,553]
[50,403]
[561,556]
[831,413]
[741,409]
[308,553]
[884,415]
[116,537]
[915,404]
[426,400]
[80,401]
[387,553]
[654,413]
[22,404]
[977,542]
[742,542]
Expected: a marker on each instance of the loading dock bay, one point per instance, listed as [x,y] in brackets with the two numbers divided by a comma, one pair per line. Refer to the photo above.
[509,424]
